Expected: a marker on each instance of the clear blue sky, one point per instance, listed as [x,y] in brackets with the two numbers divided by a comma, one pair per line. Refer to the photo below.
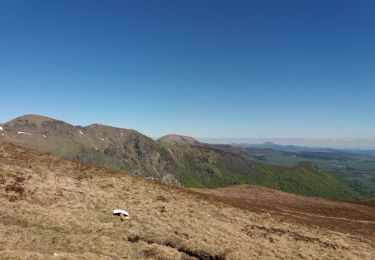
[201,68]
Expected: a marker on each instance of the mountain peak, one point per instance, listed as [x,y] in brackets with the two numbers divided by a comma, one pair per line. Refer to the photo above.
[32,118]
[268,143]
[178,140]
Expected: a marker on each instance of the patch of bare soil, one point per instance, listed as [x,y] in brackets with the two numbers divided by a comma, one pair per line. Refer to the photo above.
[200,254]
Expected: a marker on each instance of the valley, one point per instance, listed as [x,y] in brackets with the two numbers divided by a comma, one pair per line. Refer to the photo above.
[355,167]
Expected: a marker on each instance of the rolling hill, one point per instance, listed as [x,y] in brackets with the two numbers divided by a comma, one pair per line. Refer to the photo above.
[355,167]
[61,209]
[178,140]
[173,159]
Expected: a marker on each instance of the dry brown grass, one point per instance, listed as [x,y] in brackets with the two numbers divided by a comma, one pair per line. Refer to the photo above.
[50,205]
[356,218]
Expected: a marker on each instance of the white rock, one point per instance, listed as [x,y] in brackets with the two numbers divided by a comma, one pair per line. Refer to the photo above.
[23,133]
[1,128]
[120,211]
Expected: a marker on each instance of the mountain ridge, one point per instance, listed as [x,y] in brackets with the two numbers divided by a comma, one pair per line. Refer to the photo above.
[187,165]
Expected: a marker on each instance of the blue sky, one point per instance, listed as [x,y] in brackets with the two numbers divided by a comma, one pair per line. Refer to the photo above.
[200,68]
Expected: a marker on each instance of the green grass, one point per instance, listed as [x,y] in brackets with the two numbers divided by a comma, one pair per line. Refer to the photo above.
[303,178]
[358,172]
[306,181]
[190,182]
[363,183]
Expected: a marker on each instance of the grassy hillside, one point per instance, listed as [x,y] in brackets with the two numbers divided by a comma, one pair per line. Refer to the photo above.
[54,208]
[353,217]
[185,164]
[306,179]
[355,169]
[303,178]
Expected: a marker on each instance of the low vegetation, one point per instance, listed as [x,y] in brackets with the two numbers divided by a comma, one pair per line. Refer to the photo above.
[176,160]
[52,207]
[355,168]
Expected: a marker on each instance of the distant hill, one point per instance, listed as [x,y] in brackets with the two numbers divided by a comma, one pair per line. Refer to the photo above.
[178,140]
[193,165]
[297,149]
[287,148]
[355,167]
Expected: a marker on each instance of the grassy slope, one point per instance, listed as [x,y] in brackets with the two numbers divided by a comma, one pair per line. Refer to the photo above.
[192,166]
[207,168]
[358,172]
[50,205]
[353,170]
[306,180]
[213,168]
[357,218]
